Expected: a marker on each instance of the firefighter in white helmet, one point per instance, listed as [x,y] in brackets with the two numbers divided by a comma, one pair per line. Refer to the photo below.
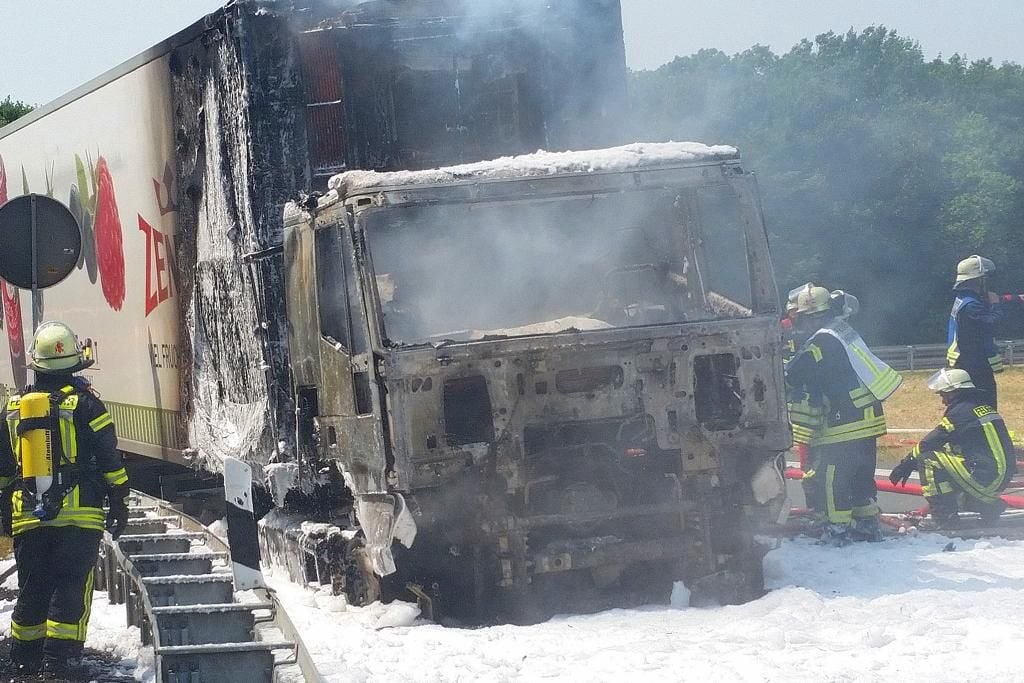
[970,334]
[836,369]
[58,462]
[969,455]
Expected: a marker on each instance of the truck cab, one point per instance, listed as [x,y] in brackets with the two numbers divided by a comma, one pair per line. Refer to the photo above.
[551,377]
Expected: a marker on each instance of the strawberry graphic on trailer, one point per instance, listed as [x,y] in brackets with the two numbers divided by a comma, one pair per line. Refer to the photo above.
[12,309]
[109,243]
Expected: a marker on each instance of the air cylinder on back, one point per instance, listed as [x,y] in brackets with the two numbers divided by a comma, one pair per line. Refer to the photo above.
[36,448]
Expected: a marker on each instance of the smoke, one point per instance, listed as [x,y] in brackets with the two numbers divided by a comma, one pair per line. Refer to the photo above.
[851,163]
[539,73]
[465,271]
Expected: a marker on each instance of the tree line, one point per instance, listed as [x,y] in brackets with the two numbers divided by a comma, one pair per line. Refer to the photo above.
[879,170]
[11,110]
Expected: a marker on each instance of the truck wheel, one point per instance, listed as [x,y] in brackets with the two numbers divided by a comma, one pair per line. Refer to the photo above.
[359,584]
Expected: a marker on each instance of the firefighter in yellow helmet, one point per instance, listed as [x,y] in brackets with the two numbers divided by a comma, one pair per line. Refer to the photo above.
[58,462]
[836,369]
[806,410]
[969,455]
[972,321]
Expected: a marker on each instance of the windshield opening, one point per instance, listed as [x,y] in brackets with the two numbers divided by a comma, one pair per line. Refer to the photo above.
[464,272]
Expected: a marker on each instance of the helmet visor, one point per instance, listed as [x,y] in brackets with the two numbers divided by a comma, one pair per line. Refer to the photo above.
[794,293]
[948,379]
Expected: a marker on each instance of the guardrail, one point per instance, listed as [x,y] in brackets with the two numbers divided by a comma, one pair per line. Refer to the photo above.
[173,576]
[933,356]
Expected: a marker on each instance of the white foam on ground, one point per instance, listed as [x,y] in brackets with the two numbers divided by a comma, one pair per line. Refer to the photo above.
[901,610]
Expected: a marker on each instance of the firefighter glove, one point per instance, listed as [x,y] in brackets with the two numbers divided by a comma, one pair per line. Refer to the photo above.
[901,473]
[117,515]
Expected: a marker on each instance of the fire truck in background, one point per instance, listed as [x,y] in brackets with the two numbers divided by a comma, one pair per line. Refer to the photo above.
[546,375]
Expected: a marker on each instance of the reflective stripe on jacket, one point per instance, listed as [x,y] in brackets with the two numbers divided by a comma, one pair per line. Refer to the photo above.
[878,380]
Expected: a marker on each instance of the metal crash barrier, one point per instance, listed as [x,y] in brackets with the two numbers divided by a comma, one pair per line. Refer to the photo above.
[174,578]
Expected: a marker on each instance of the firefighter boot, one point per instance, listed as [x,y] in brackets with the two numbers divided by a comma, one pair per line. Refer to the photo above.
[836,535]
[990,512]
[26,656]
[62,657]
[867,529]
[944,511]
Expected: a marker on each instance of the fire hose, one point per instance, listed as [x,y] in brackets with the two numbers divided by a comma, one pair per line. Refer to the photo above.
[1013,501]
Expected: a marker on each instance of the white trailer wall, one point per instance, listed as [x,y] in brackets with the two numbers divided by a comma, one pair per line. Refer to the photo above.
[121,135]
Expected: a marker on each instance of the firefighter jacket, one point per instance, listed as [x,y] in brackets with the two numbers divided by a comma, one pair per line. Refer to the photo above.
[970,337]
[878,378]
[90,465]
[829,402]
[972,442]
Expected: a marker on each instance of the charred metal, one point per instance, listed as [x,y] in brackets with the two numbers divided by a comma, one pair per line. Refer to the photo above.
[583,428]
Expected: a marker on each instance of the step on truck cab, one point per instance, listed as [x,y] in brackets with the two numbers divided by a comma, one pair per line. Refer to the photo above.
[546,379]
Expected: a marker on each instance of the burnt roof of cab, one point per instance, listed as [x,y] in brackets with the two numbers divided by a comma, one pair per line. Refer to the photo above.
[633,157]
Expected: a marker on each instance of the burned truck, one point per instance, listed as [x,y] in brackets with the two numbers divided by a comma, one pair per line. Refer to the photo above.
[551,375]
[549,378]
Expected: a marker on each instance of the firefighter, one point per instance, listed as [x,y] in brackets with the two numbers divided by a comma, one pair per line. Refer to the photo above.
[803,408]
[970,340]
[969,454]
[836,368]
[806,409]
[58,461]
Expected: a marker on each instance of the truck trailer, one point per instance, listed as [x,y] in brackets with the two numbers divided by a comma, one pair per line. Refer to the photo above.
[548,380]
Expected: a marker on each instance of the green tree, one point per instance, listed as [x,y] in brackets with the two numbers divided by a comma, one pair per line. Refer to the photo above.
[879,170]
[11,110]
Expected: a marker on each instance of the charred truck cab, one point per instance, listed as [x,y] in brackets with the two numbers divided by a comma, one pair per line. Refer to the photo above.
[549,378]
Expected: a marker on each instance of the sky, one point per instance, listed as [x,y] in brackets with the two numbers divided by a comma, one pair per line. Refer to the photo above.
[48,47]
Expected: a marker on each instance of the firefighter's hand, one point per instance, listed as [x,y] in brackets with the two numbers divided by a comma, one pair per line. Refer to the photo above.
[117,516]
[901,473]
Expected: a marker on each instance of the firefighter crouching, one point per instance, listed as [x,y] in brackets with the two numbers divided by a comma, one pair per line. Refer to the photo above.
[837,387]
[58,461]
[969,455]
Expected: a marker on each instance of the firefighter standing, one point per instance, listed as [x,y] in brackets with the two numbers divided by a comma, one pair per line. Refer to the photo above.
[970,336]
[969,454]
[836,371]
[807,410]
[58,460]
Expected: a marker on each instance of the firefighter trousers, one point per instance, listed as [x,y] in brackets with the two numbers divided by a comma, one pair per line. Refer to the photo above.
[55,584]
[945,475]
[847,479]
[813,482]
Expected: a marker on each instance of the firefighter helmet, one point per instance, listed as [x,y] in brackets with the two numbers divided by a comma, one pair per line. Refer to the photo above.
[950,379]
[812,299]
[973,267]
[56,351]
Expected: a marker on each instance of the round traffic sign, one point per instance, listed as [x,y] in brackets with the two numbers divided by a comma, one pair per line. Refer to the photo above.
[58,240]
